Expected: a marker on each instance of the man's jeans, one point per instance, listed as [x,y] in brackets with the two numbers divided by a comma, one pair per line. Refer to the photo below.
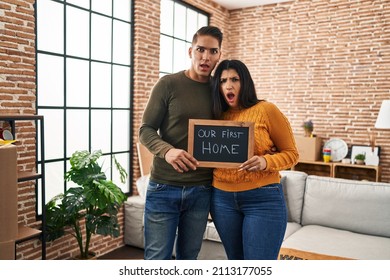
[171,210]
[251,224]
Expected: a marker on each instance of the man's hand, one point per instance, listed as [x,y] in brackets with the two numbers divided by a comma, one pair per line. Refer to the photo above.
[180,160]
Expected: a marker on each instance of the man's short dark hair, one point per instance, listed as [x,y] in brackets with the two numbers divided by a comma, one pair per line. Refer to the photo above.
[209,30]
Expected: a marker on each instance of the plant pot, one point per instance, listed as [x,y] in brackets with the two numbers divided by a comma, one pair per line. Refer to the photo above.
[308,133]
[91,256]
[359,161]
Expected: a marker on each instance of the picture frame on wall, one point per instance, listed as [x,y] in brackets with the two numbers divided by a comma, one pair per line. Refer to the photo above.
[372,156]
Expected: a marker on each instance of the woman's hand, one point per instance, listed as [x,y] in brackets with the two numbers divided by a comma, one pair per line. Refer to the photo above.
[255,163]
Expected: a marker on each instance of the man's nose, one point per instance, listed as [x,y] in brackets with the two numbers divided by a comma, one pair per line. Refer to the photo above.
[206,55]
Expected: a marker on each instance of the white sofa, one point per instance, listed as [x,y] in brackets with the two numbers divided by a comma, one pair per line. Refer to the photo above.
[331,218]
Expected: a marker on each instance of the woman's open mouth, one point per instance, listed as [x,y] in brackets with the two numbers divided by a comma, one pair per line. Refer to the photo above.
[230,96]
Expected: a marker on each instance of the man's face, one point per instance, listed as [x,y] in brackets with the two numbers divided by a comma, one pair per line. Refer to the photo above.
[204,54]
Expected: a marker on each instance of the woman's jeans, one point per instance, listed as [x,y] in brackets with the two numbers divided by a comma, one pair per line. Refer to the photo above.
[171,210]
[251,224]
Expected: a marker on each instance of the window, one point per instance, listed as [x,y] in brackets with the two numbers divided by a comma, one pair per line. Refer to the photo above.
[179,22]
[83,84]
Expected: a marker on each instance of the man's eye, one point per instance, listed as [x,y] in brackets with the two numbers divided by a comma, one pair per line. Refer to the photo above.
[214,51]
[200,49]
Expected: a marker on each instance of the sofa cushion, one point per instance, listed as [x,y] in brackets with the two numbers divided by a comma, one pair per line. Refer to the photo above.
[358,206]
[142,185]
[291,228]
[134,221]
[341,243]
[211,233]
[293,188]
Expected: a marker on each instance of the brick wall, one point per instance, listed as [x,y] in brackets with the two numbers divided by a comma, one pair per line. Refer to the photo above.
[326,60]
[17,96]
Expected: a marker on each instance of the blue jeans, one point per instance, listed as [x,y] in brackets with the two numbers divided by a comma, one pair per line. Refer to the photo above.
[171,210]
[251,224]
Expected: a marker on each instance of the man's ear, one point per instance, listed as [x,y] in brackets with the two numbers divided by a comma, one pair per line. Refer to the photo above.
[190,52]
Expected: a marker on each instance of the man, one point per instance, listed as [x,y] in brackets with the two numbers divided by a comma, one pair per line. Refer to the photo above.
[178,195]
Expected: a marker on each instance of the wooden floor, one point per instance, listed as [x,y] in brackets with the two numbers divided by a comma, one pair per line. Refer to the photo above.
[124,253]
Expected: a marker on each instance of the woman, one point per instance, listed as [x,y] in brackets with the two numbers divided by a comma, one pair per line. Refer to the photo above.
[248,206]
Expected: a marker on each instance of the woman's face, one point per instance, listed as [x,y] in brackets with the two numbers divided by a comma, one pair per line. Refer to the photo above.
[230,86]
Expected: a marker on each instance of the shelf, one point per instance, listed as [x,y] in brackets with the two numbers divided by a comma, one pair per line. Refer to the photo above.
[26,233]
[27,176]
[318,168]
[357,172]
[340,170]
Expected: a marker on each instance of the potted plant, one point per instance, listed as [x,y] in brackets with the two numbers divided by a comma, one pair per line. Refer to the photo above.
[308,127]
[95,202]
[360,158]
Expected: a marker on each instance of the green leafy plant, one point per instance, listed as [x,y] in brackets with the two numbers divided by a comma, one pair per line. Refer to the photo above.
[360,157]
[96,201]
[308,125]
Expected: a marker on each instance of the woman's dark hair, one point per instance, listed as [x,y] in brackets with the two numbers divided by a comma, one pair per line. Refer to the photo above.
[247,97]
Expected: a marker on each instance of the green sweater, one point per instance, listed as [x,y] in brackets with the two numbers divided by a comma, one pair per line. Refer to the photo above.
[174,100]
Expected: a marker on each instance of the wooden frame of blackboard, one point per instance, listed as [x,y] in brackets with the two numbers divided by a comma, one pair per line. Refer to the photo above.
[231,126]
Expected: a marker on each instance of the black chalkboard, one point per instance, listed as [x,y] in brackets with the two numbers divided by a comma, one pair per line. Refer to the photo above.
[220,143]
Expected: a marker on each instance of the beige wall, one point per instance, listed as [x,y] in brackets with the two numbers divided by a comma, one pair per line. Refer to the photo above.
[324,60]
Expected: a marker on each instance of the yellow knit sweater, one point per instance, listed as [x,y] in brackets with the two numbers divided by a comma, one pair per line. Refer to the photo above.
[271,129]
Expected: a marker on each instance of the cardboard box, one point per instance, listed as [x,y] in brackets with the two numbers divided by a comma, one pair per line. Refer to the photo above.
[309,148]
[8,194]
[7,250]
[294,254]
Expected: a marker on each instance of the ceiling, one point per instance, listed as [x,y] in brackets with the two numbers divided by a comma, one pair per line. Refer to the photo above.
[239,4]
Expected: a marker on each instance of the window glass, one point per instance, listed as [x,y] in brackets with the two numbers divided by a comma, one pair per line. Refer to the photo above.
[100,84]
[80,3]
[178,23]
[103,7]
[77,32]
[54,133]
[181,56]
[84,80]
[77,82]
[77,130]
[121,53]
[101,130]
[121,93]
[101,38]
[191,24]
[122,9]
[50,80]
[50,26]
[166,19]
[123,159]
[54,179]
[166,54]
[121,126]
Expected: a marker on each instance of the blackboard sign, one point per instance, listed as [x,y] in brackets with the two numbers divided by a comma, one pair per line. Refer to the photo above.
[220,143]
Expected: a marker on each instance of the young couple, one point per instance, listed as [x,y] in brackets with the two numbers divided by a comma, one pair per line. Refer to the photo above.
[247,204]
